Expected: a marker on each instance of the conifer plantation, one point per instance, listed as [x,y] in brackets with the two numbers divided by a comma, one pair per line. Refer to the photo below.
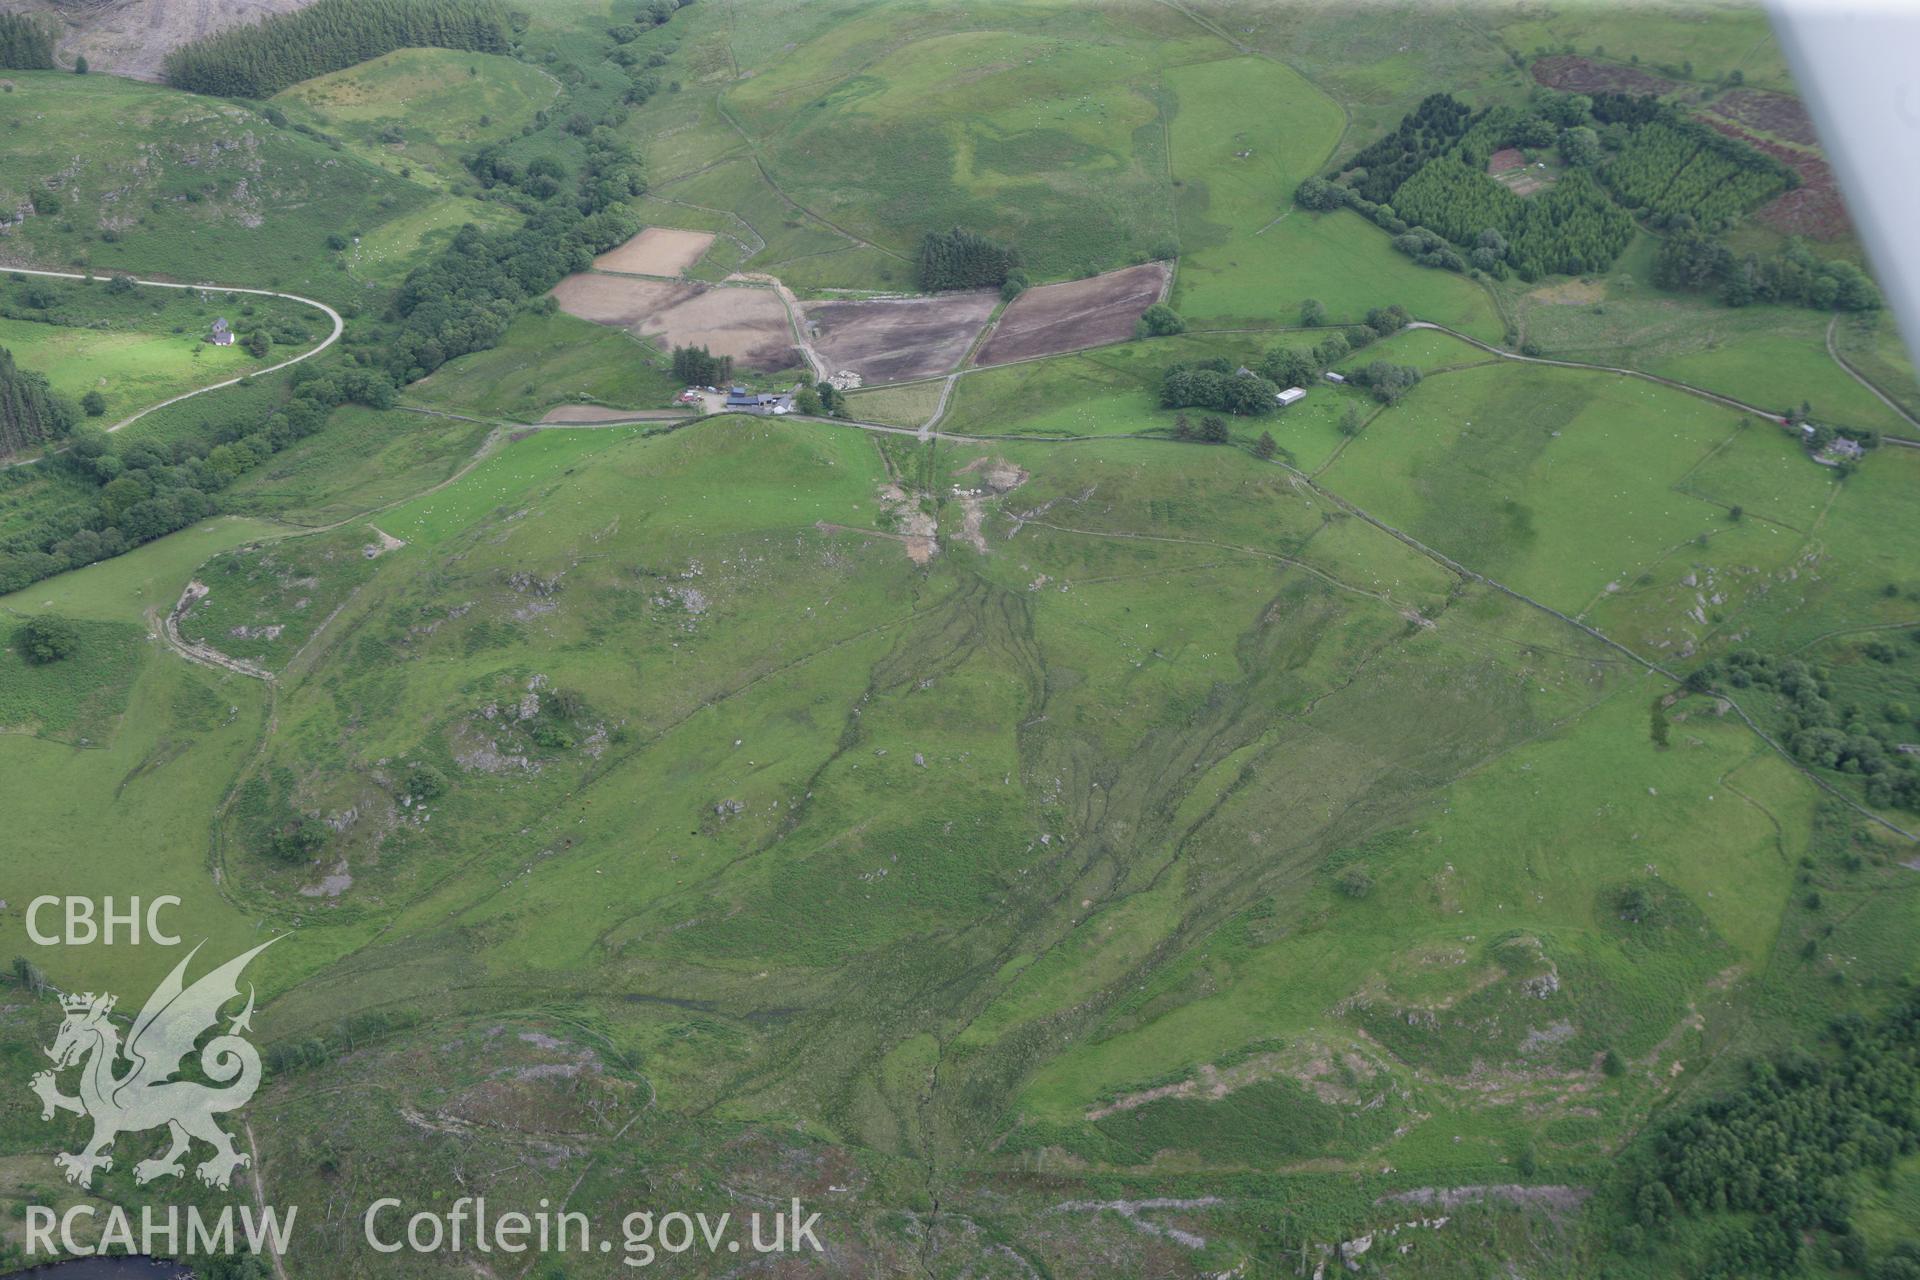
[261,60]
[960,259]
[29,413]
[25,43]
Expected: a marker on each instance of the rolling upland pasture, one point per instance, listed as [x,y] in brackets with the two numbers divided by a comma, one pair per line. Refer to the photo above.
[153,182]
[1058,811]
[1035,124]
[421,109]
[1102,391]
[544,360]
[1771,357]
[1559,482]
[1128,562]
[372,459]
[1671,42]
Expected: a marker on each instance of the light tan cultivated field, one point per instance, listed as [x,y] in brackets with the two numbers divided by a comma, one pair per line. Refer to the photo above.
[1079,313]
[892,339]
[592,413]
[657,251]
[748,324]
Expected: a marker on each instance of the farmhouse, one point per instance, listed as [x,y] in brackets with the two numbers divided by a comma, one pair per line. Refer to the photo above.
[1839,449]
[222,335]
[1292,395]
[741,400]
[1337,379]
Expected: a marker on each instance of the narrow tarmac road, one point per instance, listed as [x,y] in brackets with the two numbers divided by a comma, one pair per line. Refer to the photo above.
[339,327]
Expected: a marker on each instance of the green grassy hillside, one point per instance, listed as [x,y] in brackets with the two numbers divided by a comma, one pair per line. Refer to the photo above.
[129,177]
[1048,845]
[1086,812]
[421,109]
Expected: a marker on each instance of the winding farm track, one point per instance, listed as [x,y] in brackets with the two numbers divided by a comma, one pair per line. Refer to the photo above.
[168,626]
[260,1194]
[796,321]
[339,327]
[1863,379]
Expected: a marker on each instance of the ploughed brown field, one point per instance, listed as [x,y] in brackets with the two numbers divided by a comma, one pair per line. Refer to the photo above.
[1079,313]
[893,339]
[657,251]
[591,413]
[748,324]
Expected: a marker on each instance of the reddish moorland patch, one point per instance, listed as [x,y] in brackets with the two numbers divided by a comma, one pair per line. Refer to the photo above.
[1080,313]
[1816,212]
[1814,208]
[1504,159]
[1778,114]
[893,339]
[1572,74]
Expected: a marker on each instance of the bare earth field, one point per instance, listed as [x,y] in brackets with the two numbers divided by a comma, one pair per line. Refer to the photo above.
[133,37]
[893,339]
[657,251]
[1079,313]
[748,324]
[591,413]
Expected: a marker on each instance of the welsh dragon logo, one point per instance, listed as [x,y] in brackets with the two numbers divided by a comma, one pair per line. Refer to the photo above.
[130,1088]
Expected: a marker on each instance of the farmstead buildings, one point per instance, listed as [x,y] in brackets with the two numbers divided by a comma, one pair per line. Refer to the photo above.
[740,400]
